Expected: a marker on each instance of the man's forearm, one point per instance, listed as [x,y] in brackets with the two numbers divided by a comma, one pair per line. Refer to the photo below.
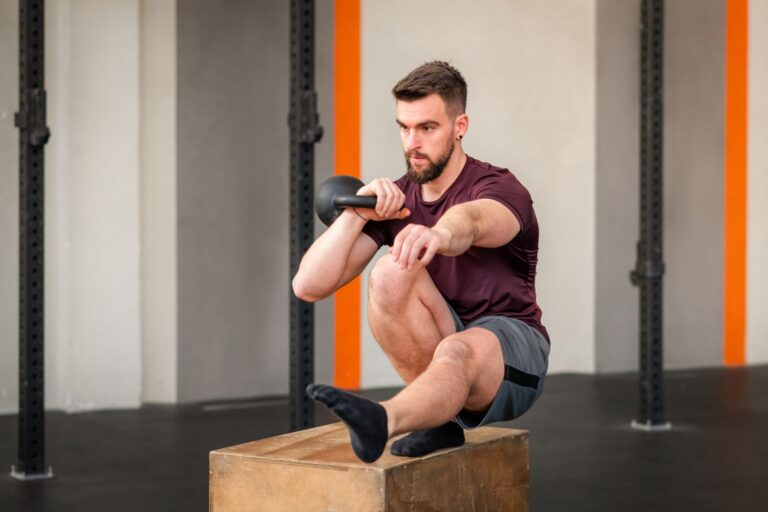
[322,266]
[459,227]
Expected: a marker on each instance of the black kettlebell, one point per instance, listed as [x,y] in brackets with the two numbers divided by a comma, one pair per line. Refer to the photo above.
[337,193]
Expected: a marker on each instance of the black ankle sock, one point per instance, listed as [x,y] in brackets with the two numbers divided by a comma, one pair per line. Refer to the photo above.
[422,442]
[365,419]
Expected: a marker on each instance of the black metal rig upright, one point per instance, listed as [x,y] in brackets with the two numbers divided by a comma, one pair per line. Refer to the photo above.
[33,134]
[649,267]
[305,133]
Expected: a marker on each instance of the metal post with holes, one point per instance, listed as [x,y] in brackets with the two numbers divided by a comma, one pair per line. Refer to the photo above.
[649,268]
[305,133]
[33,134]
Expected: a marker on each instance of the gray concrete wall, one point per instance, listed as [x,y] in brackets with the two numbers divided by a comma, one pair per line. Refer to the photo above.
[9,207]
[233,178]
[693,183]
[618,83]
[228,270]
[324,169]
[693,180]
[233,189]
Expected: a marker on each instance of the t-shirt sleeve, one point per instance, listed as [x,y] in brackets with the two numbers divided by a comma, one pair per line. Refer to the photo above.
[503,187]
[380,232]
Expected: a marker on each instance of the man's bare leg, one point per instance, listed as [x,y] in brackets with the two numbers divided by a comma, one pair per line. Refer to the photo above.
[407,315]
[466,371]
[410,319]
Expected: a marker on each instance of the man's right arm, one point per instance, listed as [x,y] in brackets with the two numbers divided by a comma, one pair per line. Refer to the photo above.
[336,257]
[343,251]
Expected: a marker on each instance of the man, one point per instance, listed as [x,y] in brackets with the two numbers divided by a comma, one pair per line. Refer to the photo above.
[453,304]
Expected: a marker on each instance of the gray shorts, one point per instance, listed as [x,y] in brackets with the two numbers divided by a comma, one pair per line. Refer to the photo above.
[526,356]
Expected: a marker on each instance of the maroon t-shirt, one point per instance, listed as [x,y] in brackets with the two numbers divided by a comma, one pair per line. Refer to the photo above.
[482,281]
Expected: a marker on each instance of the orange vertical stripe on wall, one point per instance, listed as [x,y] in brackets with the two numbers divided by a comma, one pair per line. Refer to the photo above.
[347,158]
[735,221]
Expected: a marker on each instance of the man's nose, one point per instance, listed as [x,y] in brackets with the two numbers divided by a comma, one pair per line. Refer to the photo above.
[412,140]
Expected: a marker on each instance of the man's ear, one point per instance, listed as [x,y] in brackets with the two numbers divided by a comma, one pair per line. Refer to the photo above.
[461,125]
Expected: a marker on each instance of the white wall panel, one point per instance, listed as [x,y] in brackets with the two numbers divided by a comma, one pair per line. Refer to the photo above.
[757,200]
[159,296]
[92,205]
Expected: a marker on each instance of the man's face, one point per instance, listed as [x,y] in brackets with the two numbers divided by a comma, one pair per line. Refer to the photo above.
[428,135]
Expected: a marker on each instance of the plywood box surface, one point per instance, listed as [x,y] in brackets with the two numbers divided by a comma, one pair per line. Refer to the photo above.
[316,470]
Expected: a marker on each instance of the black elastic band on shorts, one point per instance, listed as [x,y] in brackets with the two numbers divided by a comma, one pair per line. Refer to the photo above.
[515,376]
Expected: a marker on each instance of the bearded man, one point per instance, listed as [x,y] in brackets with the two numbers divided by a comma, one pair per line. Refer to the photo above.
[453,304]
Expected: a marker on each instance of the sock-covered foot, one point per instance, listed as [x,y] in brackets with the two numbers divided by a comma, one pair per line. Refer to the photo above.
[422,442]
[365,419]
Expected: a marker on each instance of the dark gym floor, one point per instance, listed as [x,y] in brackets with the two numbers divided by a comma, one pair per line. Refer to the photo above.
[584,456]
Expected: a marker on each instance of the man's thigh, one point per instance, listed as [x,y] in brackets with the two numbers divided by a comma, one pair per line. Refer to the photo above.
[515,370]
[409,293]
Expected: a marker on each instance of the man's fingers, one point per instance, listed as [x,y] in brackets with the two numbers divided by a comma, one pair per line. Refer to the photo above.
[418,241]
[408,248]
[409,243]
[391,199]
[418,246]
[429,253]
[395,250]
[398,244]
[414,246]
[385,193]
[381,195]
[405,250]
[398,200]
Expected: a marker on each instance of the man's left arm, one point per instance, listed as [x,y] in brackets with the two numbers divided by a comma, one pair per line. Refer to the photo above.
[480,223]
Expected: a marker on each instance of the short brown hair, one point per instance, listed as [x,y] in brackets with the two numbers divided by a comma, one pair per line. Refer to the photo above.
[436,77]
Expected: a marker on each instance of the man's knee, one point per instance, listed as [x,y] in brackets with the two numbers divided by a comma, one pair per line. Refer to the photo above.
[483,376]
[454,348]
[388,285]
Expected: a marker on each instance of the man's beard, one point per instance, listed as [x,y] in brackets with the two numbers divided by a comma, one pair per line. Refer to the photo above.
[433,170]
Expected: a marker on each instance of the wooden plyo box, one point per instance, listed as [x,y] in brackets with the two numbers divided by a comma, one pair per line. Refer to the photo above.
[316,470]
